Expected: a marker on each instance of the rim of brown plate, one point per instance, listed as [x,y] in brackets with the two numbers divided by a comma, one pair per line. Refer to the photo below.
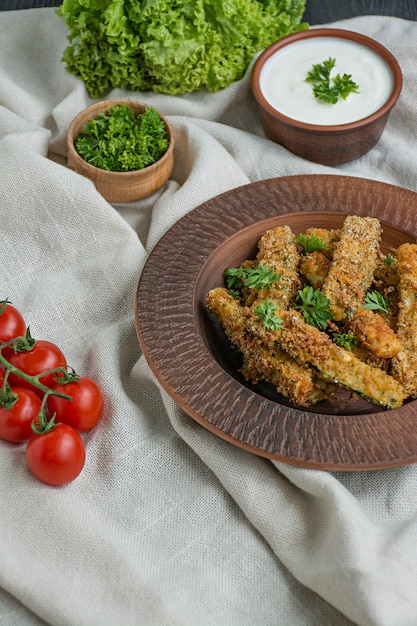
[170,329]
[364,40]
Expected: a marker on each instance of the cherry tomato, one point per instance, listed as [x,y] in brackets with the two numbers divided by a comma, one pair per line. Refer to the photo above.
[15,423]
[84,410]
[12,323]
[56,457]
[1,376]
[44,355]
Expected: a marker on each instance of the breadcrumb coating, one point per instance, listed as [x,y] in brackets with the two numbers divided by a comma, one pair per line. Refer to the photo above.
[296,382]
[375,334]
[353,265]
[314,266]
[309,345]
[404,366]
[328,238]
[278,250]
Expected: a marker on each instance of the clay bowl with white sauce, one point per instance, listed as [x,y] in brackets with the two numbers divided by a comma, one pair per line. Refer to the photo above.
[330,134]
[117,186]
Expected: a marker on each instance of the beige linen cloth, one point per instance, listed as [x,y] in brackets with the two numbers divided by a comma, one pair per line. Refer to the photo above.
[168,524]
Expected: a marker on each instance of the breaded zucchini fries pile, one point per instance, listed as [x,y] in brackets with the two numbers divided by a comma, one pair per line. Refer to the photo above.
[323,310]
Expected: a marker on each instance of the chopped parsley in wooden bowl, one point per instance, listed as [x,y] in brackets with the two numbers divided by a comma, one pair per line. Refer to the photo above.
[125,147]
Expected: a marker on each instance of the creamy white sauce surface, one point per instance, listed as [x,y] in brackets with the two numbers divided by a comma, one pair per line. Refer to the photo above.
[283,84]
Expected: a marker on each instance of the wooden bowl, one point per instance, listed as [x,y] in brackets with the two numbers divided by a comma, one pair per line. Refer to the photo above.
[120,186]
[331,144]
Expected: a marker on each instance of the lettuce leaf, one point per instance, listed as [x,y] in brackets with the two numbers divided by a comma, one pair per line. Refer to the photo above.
[171,46]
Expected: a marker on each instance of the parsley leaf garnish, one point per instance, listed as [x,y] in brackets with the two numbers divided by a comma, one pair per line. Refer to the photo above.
[234,277]
[260,277]
[252,277]
[314,307]
[389,259]
[120,141]
[327,89]
[266,311]
[310,242]
[376,302]
[344,340]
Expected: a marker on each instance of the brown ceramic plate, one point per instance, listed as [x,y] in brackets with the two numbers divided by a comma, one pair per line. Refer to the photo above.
[194,363]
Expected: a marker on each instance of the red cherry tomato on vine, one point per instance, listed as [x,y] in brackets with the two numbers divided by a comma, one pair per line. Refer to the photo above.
[84,410]
[12,323]
[56,457]
[15,422]
[44,355]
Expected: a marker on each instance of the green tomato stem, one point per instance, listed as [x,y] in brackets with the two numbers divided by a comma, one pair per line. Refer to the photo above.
[41,424]
[66,376]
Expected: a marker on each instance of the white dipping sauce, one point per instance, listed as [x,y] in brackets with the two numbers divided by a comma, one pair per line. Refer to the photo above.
[283,84]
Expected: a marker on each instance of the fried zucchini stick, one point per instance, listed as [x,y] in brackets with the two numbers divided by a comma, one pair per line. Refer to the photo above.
[295,382]
[308,345]
[387,273]
[375,334]
[277,249]
[352,269]
[328,238]
[404,366]
[315,266]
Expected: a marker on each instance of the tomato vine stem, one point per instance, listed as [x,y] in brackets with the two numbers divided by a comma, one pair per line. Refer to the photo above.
[41,425]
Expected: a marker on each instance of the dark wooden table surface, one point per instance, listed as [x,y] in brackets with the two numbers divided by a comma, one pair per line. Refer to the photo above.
[317,11]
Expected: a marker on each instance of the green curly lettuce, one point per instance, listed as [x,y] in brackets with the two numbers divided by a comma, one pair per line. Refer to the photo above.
[171,46]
